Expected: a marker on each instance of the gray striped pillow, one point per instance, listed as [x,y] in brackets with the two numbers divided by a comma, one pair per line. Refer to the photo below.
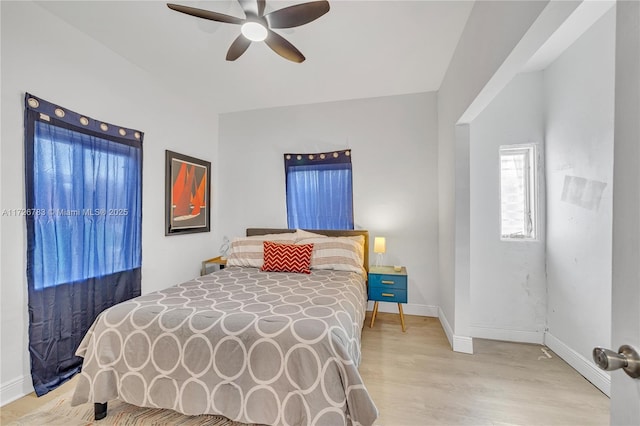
[249,251]
[337,253]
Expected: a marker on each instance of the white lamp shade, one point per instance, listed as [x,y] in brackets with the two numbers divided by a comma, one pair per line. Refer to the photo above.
[379,245]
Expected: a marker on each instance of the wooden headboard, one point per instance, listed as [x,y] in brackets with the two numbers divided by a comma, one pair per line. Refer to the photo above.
[327,232]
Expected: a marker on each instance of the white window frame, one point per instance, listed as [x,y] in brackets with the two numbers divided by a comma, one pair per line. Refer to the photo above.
[530,151]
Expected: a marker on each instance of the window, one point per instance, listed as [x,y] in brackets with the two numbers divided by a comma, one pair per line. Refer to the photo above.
[319,190]
[83,185]
[518,192]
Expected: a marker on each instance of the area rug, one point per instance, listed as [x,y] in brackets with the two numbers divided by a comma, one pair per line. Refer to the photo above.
[59,412]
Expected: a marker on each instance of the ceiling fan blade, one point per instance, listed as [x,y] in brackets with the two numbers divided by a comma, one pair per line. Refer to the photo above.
[238,47]
[283,48]
[300,14]
[206,14]
[252,7]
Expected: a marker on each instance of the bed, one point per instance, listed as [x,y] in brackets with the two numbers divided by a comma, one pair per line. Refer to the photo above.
[253,345]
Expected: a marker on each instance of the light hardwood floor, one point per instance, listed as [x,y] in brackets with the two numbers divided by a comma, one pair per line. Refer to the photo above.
[415,379]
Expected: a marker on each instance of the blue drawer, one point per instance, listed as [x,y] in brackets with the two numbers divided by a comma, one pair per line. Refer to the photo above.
[388,294]
[388,281]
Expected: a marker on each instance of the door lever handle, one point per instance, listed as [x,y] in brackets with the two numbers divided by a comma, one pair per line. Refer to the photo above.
[626,358]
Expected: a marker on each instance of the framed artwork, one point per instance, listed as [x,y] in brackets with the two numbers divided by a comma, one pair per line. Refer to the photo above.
[187,194]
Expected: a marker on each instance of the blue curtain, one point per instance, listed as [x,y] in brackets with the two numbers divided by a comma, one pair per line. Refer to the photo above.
[84,220]
[319,190]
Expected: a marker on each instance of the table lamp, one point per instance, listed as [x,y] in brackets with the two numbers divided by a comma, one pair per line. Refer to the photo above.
[379,247]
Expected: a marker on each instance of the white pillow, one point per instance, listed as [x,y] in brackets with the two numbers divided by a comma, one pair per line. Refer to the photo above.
[337,253]
[249,251]
[302,234]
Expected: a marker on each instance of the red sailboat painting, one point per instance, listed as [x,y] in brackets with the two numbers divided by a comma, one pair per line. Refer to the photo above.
[188,192]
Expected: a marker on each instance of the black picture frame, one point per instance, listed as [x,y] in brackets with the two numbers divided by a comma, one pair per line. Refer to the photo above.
[187,194]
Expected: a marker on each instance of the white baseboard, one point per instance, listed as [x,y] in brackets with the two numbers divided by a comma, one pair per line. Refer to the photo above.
[520,336]
[462,344]
[407,308]
[600,378]
[448,331]
[15,389]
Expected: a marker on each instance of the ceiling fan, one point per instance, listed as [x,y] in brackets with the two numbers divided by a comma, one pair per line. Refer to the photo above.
[256,26]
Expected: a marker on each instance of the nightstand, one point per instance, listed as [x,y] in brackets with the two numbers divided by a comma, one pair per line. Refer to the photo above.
[213,261]
[387,285]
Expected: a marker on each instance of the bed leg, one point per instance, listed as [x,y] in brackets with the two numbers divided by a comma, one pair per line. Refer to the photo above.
[99,411]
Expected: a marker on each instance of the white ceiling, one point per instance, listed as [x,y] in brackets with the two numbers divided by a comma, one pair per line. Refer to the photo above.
[358,49]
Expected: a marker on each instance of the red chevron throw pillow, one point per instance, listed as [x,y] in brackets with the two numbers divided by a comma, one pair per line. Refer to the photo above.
[287,257]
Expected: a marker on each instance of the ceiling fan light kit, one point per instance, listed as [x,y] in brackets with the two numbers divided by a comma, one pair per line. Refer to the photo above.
[256,26]
[254,31]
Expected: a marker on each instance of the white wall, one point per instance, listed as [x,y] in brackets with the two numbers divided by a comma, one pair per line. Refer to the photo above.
[508,281]
[394,155]
[45,56]
[493,31]
[579,93]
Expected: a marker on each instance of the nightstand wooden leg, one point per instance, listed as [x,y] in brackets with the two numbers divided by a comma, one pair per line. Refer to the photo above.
[373,315]
[401,317]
